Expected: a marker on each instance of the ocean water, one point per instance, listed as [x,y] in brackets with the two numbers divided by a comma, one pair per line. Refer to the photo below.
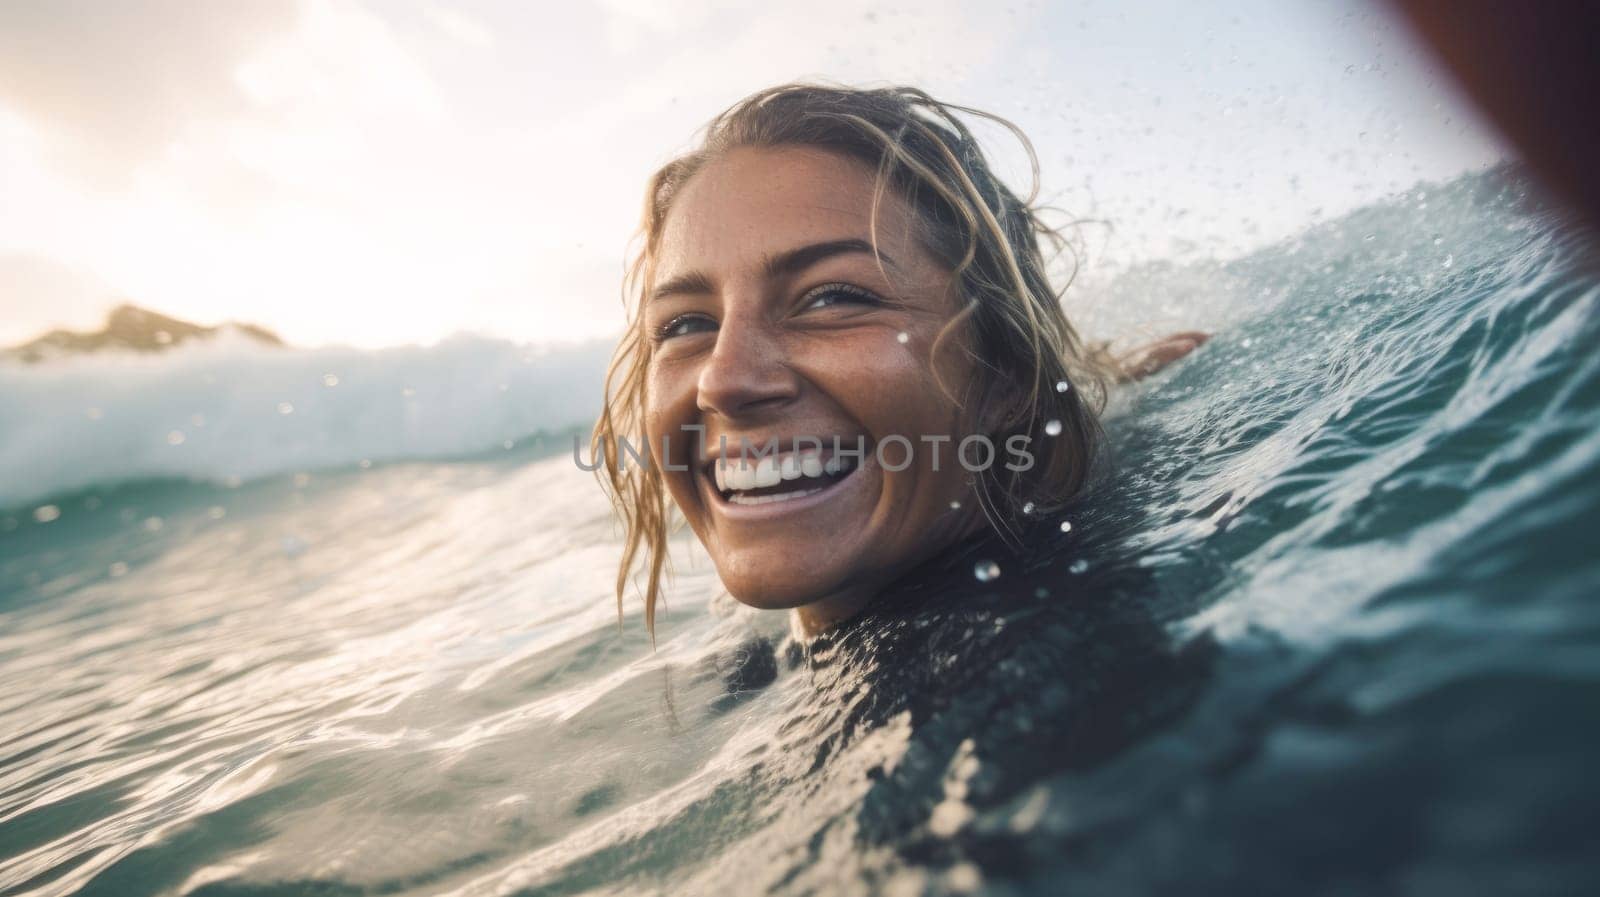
[1329,626]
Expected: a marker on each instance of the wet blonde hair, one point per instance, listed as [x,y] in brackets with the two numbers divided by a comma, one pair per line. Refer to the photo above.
[1031,370]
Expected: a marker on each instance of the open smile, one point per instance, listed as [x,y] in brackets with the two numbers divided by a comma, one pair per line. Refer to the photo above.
[779,483]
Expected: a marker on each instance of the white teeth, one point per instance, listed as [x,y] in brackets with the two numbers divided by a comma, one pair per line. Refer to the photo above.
[734,475]
[740,498]
[767,473]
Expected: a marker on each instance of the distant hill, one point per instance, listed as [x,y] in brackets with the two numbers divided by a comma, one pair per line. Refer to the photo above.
[130,328]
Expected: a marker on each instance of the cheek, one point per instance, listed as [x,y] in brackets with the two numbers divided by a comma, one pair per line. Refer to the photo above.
[889,387]
[890,391]
[668,407]
[669,400]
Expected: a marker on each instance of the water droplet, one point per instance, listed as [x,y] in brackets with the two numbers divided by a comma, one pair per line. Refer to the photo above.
[1066,526]
[1062,386]
[330,380]
[365,463]
[1041,592]
[198,420]
[153,524]
[118,568]
[1027,508]
[955,506]
[903,337]
[986,571]
[1438,241]
[1078,566]
[46,513]
[285,408]
[507,445]
[1449,260]
[1052,428]
[176,437]
[217,512]
[408,392]
[93,413]
[302,480]
[1245,343]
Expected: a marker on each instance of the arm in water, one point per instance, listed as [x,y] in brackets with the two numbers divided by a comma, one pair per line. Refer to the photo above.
[1139,363]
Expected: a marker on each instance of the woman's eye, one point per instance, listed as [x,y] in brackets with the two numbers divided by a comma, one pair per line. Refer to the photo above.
[839,294]
[683,325]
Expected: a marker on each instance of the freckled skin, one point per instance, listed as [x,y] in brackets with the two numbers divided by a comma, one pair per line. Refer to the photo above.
[759,355]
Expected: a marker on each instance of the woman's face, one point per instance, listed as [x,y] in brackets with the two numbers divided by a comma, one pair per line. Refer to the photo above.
[771,318]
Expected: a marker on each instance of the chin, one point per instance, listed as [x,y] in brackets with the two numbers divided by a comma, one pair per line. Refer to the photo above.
[781,590]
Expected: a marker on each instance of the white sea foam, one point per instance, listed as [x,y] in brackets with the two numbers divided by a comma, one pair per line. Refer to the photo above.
[230,408]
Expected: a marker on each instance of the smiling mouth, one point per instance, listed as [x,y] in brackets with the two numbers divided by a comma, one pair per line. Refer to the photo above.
[778,478]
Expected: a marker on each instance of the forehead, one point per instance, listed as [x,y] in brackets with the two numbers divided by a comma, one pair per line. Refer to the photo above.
[752,202]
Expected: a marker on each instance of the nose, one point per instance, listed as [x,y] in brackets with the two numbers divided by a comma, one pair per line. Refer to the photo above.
[747,370]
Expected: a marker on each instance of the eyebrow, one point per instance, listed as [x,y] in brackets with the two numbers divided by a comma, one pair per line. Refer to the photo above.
[783,264]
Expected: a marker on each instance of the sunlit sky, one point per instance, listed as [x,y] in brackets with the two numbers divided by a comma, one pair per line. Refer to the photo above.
[383,173]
